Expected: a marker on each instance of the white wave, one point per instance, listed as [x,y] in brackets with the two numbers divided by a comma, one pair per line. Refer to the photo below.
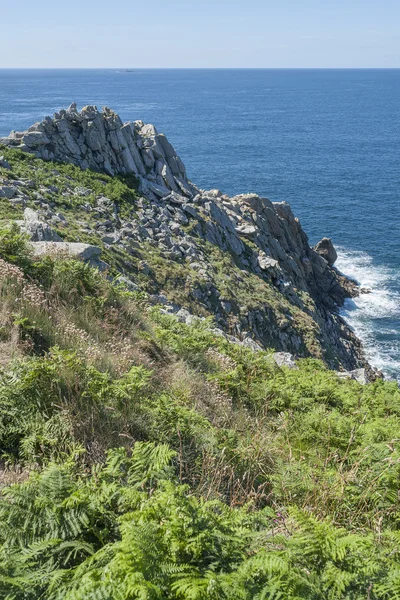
[375,314]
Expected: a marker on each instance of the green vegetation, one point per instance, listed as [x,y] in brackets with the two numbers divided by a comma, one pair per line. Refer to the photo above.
[130,530]
[144,458]
[62,177]
[70,190]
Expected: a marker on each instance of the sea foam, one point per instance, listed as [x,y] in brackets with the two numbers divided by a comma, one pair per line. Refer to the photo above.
[375,314]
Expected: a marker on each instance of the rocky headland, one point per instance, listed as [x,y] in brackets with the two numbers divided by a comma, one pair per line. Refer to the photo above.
[243,260]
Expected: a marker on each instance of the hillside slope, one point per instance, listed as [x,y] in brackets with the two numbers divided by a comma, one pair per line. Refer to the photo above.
[149,453]
[146,458]
[244,261]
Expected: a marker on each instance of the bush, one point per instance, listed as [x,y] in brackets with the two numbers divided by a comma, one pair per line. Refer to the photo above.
[52,407]
[14,246]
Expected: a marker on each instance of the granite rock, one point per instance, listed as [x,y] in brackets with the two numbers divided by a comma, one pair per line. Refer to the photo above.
[37,230]
[99,140]
[326,249]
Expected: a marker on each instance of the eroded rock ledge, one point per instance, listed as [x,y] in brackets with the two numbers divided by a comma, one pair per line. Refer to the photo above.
[263,238]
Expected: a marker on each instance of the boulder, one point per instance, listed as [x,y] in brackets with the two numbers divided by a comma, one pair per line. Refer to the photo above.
[248,342]
[326,249]
[246,230]
[111,238]
[7,191]
[359,375]
[175,198]
[34,139]
[4,164]
[284,359]
[37,230]
[191,210]
[266,262]
[77,250]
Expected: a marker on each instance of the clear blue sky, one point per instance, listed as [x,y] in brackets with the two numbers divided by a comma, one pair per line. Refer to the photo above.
[202,33]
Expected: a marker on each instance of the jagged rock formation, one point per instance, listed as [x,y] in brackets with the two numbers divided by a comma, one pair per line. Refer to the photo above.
[101,141]
[263,239]
[326,249]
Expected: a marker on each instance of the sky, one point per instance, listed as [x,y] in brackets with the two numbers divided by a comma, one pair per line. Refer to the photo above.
[200,34]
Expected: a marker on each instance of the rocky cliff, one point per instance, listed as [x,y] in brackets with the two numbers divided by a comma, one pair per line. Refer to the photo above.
[243,260]
[102,142]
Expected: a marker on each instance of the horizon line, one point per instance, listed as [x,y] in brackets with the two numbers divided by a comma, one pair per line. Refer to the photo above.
[200,68]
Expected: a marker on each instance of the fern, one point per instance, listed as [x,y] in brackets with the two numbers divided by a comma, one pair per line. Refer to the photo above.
[290,477]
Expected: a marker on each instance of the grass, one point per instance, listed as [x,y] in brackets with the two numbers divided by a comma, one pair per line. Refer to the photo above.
[158,460]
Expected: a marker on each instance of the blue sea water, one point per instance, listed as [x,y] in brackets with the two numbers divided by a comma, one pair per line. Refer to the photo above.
[326,141]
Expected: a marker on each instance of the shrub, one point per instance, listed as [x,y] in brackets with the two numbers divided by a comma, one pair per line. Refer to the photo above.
[130,531]
[14,246]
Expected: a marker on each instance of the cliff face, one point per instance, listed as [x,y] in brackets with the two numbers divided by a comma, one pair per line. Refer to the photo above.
[244,260]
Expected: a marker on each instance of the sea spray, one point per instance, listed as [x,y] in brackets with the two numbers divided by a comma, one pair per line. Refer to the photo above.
[375,313]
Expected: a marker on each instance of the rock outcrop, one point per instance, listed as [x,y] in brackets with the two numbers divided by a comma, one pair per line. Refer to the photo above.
[85,252]
[37,230]
[360,375]
[326,249]
[264,239]
[101,141]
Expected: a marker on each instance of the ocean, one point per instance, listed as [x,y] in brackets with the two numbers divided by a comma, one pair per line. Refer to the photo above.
[326,141]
